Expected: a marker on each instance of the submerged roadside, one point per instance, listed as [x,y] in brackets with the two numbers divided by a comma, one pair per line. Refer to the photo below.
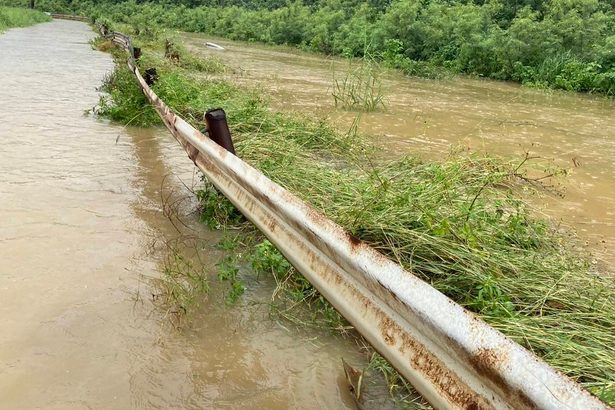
[459,223]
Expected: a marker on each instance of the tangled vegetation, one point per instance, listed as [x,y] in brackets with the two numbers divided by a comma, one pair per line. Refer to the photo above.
[459,224]
[566,44]
[20,17]
[359,87]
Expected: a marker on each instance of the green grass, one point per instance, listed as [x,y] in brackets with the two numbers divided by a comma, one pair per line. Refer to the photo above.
[184,280]
[460,224]
[360,86]
[183,58]
[18,17]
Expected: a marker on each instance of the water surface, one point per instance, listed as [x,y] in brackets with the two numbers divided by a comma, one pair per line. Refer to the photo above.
[80,232]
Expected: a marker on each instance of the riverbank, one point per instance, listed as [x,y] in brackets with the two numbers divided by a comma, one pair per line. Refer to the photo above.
[19,17]
[458,223]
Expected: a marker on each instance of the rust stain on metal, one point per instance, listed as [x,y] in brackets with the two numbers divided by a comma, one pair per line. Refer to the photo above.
[353,240]
[390,293]
[192,153]
[448,383]
[489,362]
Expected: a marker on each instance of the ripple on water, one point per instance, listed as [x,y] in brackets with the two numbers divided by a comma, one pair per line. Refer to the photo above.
[79,209]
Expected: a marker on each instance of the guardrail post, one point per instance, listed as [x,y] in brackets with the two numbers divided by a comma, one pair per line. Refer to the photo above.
[150,76]
[136,52]
[217,129]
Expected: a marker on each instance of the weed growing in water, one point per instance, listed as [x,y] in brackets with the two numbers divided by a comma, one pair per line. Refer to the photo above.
[266,258]
[183,282]
[294,297]
[405,394]
[215,210]
[228,271]
[229,242]
[360,86]
[102,44]
[123,100]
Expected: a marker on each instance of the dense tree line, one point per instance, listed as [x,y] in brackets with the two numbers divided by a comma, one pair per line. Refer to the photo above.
[567,44]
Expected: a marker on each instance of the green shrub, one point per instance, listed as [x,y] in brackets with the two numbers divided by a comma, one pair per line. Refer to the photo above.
[19,17]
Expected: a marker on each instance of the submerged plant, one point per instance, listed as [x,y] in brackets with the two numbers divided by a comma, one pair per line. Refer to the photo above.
[360,86]
[228,271]
[184,281]
[215,210]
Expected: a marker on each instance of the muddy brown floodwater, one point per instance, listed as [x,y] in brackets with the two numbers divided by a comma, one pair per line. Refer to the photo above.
[428,118]
[80,204]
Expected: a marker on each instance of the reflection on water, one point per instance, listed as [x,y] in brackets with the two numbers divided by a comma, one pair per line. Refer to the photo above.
[426,117]
[80,207]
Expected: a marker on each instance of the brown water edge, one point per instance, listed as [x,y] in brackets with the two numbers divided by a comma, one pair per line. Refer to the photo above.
[239,356]
[430,118]
[80,210]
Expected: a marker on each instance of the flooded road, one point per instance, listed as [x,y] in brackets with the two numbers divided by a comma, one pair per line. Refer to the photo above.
[80,207]
[428,118]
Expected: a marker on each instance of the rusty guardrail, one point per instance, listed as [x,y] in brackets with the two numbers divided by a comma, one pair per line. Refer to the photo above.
[69,17]
[453,358]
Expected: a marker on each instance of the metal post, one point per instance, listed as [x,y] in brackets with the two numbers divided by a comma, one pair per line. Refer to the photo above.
[150,76]
[218,130]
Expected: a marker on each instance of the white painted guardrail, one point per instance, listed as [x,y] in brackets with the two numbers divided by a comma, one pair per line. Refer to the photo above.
[453,358]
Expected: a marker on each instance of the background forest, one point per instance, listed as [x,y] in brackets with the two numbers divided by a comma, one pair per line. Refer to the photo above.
[566,44]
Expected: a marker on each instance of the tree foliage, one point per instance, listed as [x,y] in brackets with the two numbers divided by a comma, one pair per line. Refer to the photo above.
[568,44]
